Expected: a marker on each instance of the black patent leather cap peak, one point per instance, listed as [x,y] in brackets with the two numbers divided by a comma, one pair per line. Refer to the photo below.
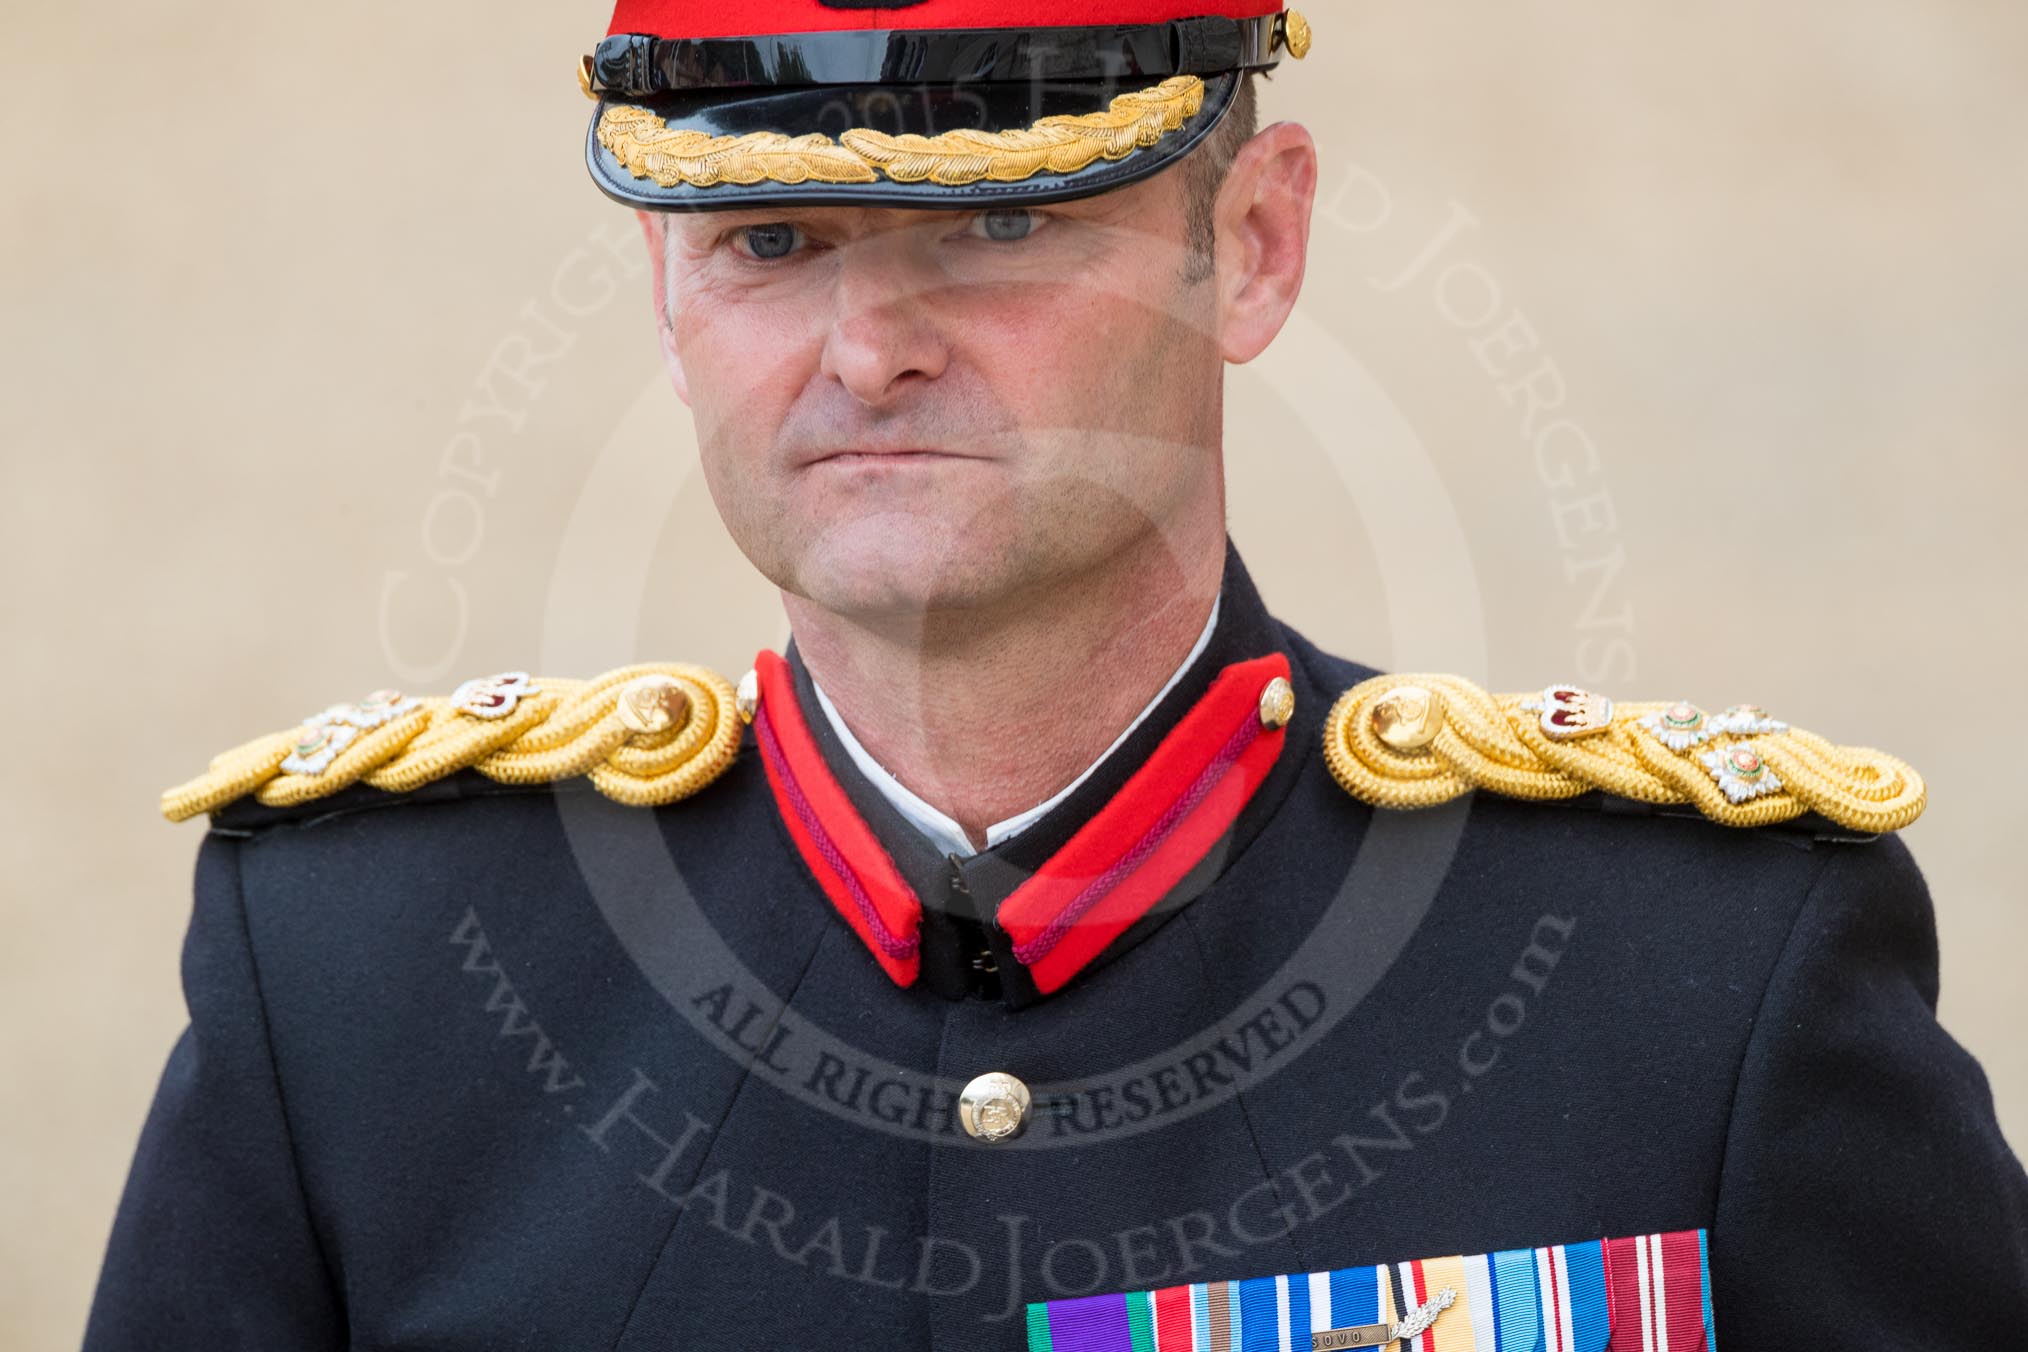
[923,109]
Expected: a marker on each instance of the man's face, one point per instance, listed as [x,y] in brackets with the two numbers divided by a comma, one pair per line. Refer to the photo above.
[903,411]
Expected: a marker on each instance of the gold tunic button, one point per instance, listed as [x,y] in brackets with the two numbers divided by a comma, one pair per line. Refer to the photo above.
[993,1107]
[653,703]
[1277,703]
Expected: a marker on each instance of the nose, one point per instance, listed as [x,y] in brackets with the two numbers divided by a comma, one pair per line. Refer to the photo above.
[883,339]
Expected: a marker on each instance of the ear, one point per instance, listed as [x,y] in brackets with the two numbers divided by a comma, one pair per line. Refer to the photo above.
[1263,215]
[653,223]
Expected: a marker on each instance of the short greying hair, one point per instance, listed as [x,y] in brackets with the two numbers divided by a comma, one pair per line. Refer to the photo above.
[1204,170]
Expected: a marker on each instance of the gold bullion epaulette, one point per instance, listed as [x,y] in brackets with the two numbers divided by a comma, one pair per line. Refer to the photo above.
[644,735]
[1417,741]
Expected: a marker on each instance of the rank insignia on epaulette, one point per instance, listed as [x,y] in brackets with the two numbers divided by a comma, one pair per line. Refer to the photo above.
[325,736]
[1567,713]
[382,706]
[1741,772]
[1417,741]
[492,696]
[1743,719]
[1680,726]
[317,744]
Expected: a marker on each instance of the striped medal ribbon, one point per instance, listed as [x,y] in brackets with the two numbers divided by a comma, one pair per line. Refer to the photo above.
[1647,1293]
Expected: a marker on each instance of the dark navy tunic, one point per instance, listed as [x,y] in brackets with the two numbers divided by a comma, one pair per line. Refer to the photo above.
[482,1067]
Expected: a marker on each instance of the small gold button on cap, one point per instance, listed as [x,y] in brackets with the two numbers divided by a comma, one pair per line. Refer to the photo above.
[1277,703]
[1408,717]
[653,703]
[747,697]
[1296,34]
[993,1107]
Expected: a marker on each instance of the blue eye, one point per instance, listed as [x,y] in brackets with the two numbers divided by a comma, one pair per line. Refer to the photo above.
[776,239]
[1006,225]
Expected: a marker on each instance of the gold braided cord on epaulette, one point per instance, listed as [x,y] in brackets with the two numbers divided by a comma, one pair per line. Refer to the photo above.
[1412,741]
[647,147]
[548,729]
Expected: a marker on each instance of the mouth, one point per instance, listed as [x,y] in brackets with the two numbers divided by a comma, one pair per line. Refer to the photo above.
[912,455]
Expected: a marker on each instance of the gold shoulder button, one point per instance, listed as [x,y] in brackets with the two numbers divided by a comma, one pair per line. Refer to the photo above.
[1419,740]
[645,735]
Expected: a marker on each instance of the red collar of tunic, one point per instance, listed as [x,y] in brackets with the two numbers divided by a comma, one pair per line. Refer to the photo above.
[1175,806]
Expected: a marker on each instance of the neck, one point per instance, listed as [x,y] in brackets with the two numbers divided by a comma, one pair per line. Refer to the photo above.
[986,714]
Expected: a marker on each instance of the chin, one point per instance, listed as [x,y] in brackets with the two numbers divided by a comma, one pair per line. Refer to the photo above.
[900,564]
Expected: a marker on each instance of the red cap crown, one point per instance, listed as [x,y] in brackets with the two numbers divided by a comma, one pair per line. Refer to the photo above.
[706,19]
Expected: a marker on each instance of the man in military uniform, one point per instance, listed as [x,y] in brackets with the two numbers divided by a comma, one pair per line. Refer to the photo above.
[1050,948]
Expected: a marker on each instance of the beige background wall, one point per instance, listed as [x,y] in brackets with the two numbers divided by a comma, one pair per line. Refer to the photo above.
[316,333]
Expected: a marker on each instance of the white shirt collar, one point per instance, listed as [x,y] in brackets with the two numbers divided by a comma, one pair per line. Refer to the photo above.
[945,833]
